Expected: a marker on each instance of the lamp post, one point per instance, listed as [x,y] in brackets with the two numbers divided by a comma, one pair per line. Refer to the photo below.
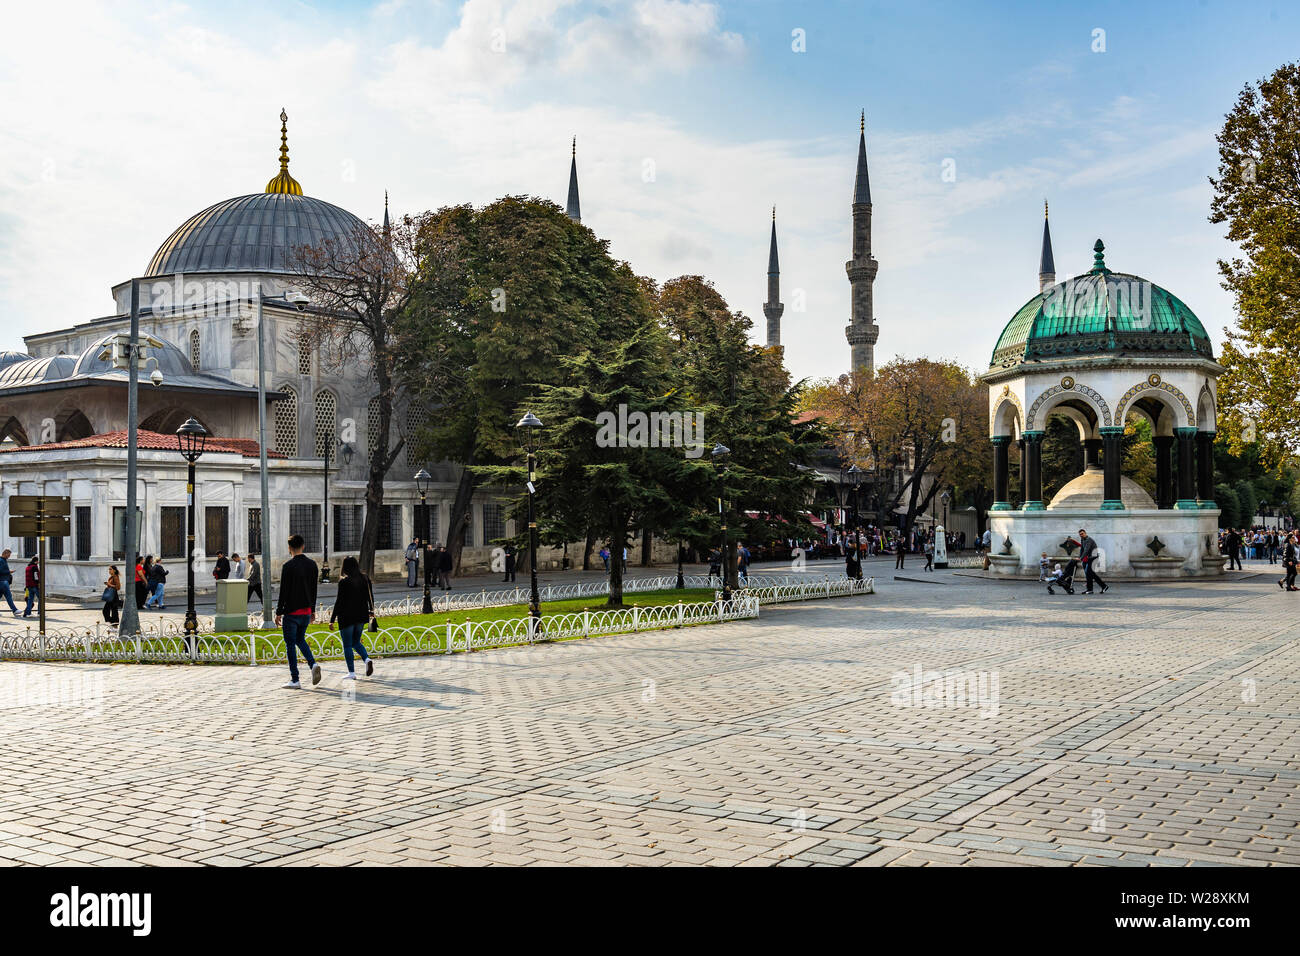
[529,423]
[191,438]
[719,454]
[422,481]
[941,560]
[855,476]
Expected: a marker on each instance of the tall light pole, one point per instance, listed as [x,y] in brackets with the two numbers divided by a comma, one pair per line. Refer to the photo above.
[191,438]
[529,423]
[942,558]
[422,481]
[130,622]
[297,300]
[719,454]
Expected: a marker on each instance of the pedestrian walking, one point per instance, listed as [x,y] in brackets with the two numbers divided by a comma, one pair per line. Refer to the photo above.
[1233,541]
[7,580]
[354,607]
[929,555]
[444,568]
[157,585]
[604,558]
[295,609]
[112,596]
[1289,563]
[412,562]
[255,579]
[236,566]
[899,551]
[1088,558]
[742,563]
[32,582]
[141,583]
[221,571]
[510,564]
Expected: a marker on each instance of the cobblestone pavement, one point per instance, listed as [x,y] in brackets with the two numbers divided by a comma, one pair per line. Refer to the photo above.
[1156,725]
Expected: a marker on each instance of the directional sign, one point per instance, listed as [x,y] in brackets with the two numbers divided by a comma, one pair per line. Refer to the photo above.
[33,505]
[54,527]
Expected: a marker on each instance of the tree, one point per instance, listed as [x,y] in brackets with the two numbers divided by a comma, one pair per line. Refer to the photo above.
[749,405]
[359,285]
[503,293]
[1248,500]
[1257,193]
[1229,506]
[926,418]
[1139,455]
[1062,459]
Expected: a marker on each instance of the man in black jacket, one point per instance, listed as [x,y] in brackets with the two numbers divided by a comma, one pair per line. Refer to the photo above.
[444,568]
[222,571]
[1289,561]
[1088,557]
[1233,541]
[296,608]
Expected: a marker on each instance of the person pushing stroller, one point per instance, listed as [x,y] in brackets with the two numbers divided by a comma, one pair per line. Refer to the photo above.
[1063,577]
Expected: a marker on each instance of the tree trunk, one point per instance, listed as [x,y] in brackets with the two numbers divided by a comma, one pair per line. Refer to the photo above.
[647,548]
[617,542]
[380,460]
[459,512]
[586,552]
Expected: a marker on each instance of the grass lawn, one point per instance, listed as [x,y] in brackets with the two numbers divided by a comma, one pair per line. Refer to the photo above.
[509,612]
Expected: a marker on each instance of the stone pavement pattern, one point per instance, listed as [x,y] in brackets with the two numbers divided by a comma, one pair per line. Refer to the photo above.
[1154,725]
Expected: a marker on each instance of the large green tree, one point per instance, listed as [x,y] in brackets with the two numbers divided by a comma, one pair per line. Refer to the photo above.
[1257,194]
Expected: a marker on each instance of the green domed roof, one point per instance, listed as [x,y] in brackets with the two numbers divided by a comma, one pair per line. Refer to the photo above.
[1101,312]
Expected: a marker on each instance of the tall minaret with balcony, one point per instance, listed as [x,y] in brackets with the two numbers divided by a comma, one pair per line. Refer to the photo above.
[773,307]
[862,333]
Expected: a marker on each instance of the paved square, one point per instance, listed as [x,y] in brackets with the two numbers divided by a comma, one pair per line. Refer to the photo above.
[1154,725]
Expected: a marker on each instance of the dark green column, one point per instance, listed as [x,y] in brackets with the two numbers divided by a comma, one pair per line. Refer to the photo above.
[1001,469]
[1186,467]
[1205,469]
[1112,462]
[1024,484]
[1164,470]
[1033,468]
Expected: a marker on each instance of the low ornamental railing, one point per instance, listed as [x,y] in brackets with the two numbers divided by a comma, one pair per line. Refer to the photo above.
[263,647]
[806,590]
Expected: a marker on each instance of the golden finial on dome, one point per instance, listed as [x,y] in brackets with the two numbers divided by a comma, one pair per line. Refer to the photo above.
[283,182]
[1044,208]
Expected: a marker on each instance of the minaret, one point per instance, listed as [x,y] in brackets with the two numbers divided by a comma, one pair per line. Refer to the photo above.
[573,210]
[388,230]
[1046,267]
[863,332]
[773,307]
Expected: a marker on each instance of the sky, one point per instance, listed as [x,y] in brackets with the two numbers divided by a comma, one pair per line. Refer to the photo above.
[692,120]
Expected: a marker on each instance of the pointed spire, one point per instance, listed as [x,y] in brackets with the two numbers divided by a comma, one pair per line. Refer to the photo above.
[283,182]
[862,185]
[573,209]
[1098,259]
[772,267]
[1046,264]
[387,228]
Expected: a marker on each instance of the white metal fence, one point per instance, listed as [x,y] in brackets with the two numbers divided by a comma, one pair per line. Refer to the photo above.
[101,644]
[806,590]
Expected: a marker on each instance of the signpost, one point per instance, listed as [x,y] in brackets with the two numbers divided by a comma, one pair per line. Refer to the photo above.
[43,516]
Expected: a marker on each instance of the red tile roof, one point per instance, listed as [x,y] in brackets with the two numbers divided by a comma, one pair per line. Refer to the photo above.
[150,441]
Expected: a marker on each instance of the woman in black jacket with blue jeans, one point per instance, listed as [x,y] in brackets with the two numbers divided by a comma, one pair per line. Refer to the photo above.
[353,608]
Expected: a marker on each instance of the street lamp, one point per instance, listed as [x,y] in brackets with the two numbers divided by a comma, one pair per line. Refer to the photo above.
[191,438]
[422,481]
[346,449]
[719,454]
[944,497]
[855,477]
[530,423]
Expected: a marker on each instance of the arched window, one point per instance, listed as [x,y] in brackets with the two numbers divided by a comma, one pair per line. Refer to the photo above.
[372,428]
[304,352]
[196,352]
[325,409]
[285,416]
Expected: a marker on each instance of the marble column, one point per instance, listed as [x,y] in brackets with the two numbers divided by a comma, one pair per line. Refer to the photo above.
[1032,466]
[1205,469]
[1186,467]
[1164,445]
[1112,459]
[1001,446]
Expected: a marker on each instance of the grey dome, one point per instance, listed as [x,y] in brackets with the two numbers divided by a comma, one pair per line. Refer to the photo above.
[171,361]
[9,358]
[33,371]
[256,233]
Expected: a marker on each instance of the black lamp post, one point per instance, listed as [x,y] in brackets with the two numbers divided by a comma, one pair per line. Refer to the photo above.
[855,476]
[529,423]
[945,497]
[191,439]
[422,481]
[720,453]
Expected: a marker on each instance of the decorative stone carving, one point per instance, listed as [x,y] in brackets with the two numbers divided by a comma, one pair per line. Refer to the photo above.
[1157,385]
[1099,403]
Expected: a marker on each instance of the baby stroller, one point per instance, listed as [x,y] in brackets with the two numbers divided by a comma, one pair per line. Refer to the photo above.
[1063,577]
